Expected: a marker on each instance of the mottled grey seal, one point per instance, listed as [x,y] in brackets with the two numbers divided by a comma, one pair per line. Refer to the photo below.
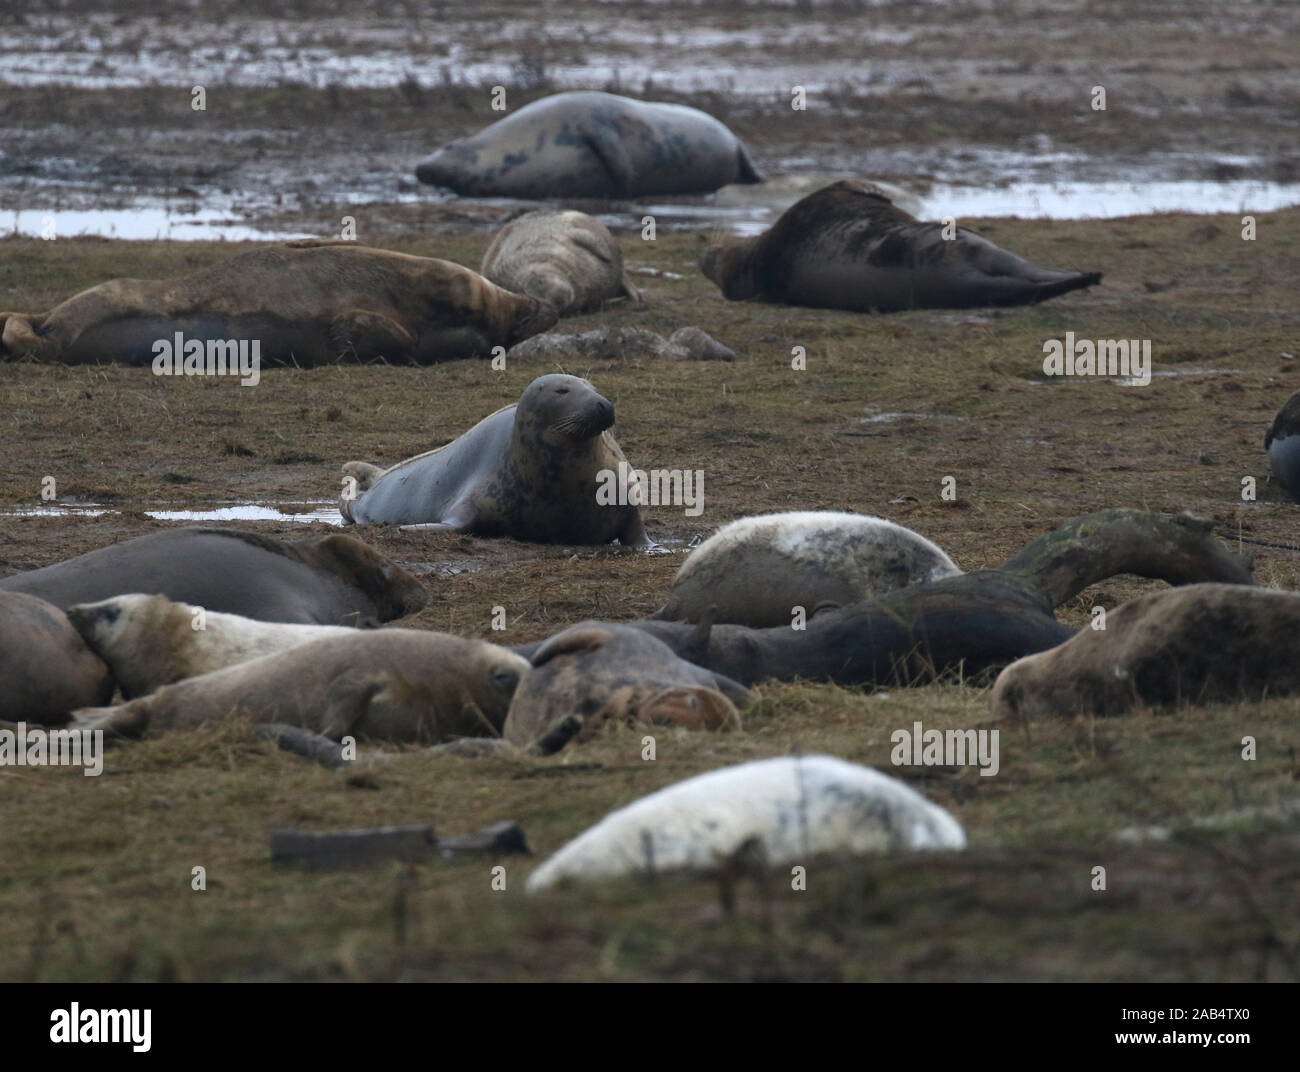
[381,684]
[584,144]
[304,303]
[46,671]
[319,580]
[847,246]
[600,672]
[756,570]
[566,259]
[529,471]
[621,344]
[149,640]
[786,810]
[1203,643]
[1283,445]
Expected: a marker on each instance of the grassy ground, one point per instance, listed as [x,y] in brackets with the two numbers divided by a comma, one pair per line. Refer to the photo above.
[94,882]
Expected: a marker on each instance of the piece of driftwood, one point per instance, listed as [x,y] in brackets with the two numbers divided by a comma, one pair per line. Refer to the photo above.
[349,849]
[314,746]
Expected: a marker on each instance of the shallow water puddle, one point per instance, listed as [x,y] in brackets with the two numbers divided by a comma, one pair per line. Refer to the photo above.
[307,512]
[145,222]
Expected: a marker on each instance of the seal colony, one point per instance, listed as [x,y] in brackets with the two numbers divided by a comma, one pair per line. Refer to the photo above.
[304,303]
[585,144]
[847,246]
[529,471]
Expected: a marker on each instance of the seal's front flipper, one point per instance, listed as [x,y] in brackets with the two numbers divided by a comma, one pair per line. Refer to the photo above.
[366,336]
[18,336]
[609,150]
[627,289]
[347,700]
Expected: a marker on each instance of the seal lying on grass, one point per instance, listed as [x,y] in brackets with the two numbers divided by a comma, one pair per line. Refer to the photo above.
[847,246]
[1205,643]
[385,684]
[599,672]
[782,811]
[46,669]
[319,580]
[529,471]
[304,303]
[566,259]
[151,641]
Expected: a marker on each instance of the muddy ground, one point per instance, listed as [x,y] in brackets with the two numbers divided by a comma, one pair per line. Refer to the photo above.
[321,109]
[96,877]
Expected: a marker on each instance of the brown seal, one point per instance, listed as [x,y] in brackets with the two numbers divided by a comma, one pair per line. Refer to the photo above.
[531,471]
[1204,643]
[151,641]
[320,580]
[46,669]
[597,672]
[304,303]
[383,684]
[847,246]
[622,344]
[566,259]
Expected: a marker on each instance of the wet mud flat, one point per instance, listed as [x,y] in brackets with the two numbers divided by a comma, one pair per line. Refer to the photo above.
[971,109]
[888,407]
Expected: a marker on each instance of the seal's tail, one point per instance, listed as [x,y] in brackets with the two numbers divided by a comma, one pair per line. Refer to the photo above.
[363,475]
[1073,281]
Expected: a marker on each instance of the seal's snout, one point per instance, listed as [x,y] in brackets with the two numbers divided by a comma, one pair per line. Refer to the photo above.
[604,413]
[434,169]
[84,617]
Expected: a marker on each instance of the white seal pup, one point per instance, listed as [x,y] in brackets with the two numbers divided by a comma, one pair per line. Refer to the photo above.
[756,570]
[791,808]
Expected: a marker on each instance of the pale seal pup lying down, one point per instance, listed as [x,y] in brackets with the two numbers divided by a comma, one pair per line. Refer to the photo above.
[151,641]
[847,246]
[531,471]
[1205,643]
[585,144]
[566,259]
[1283,445]
[304,303]
[382,684]
[756,570]
[599,672]
[46,671]
[320,580]
[791,809]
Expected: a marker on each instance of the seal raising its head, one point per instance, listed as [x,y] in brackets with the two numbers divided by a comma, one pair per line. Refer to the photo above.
[847,246]
[531,471]
[584,144]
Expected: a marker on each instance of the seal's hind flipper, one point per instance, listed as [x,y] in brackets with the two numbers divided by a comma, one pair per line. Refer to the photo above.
[748,173]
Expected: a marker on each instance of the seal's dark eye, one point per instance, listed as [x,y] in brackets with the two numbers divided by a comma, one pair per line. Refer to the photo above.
[505,678]
[561,390]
